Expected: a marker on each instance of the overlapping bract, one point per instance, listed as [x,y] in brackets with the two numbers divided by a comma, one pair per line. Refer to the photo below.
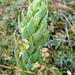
[32,28]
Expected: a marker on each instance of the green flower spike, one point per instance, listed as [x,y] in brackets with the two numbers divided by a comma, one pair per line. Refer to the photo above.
[33,30]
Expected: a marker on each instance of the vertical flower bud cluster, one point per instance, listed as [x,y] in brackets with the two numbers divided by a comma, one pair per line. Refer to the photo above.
[33,29]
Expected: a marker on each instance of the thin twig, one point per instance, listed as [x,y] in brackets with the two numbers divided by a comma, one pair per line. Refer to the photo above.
[66,19]
[7,39]
[3,34]
[17,69]
[68,35]
[67,29]
[18,4]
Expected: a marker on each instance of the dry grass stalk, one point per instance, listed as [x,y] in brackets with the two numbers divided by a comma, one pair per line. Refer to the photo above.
[63,7]
[17,69]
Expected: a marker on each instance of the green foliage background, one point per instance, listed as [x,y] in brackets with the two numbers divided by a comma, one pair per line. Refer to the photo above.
[61,41]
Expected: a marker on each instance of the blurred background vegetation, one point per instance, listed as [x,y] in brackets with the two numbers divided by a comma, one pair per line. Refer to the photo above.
[61,27]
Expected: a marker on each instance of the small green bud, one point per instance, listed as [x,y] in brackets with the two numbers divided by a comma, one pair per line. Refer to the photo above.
[43,68]
[47,55]
[43,50]
[36,65]
[25,41]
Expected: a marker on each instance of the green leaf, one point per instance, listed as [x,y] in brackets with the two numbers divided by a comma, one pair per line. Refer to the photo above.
[16,40]
[30,27]
[35,9]
[20,64]
[29,13]
[23,19]
[42,41]
[28,66]
[23,73]
[24,56]
[57,71]
[40,58]
[44,20]
[34,57]
[45,72]
[36,36]
[39,15]
[31,49]
[24,33]
[19,23]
